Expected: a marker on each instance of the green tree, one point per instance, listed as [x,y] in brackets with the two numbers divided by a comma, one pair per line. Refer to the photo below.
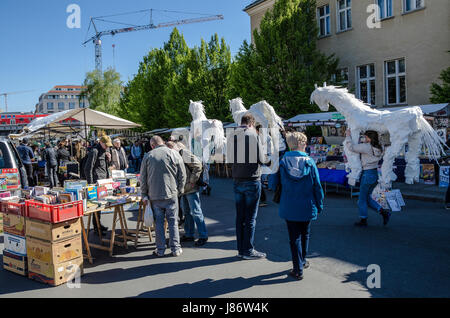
[441,93]
[169,77]
[103,90]
[284,63]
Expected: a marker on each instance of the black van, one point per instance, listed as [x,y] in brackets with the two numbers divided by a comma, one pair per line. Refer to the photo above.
[13,175]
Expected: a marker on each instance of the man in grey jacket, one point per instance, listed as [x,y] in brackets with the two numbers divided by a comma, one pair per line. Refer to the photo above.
[163,178]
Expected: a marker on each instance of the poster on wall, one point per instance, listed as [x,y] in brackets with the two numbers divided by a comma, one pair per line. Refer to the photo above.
[444,176]
[428,174]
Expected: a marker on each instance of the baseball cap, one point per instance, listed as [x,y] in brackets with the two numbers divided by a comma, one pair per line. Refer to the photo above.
[106,140]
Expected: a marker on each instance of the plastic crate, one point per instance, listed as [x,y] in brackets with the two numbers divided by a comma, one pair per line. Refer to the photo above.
[54,213]
[17,208]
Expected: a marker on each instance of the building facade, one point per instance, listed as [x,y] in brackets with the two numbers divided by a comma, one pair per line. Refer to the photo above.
[61,97]
[390,51]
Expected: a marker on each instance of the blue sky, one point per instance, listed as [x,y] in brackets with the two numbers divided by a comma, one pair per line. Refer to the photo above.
[38,50]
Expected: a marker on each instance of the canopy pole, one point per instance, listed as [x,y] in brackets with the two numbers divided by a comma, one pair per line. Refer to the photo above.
[85,128]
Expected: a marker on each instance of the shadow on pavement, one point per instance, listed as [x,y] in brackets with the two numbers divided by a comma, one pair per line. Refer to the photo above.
[124,274]
[211,288]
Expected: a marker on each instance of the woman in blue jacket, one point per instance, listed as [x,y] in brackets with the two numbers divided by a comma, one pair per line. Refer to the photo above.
[301,198]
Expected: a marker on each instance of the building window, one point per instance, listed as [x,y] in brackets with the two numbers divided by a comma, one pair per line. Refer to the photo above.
[60,106]
[366,83]
[340,77]
[411,5]
[385,7]
[395,82]
[324,20]
[71,105]
[50,106]
[344,12]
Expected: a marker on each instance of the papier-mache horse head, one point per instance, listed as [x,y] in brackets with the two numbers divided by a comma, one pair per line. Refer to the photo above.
[237,105]
[197,110]
[321,95]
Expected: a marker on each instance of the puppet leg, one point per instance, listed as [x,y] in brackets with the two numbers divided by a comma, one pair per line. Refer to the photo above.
[412,170]
[387,175]
[353,161]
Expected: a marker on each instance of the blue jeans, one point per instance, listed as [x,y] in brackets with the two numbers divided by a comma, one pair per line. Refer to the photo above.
[299,242]
[247,194]
[368,182]
[166,209]
[192,210]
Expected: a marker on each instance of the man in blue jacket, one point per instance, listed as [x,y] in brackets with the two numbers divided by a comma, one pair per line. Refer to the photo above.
[26,155]
[301,198]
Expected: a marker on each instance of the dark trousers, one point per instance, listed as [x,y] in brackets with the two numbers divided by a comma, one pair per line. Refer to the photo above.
[298,241]
[29,170]
[247,195]
[51,171]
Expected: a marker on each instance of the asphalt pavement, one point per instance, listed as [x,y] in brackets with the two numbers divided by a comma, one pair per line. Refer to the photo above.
[412,252]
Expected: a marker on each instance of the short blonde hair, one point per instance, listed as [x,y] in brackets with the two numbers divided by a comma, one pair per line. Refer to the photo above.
[296,139]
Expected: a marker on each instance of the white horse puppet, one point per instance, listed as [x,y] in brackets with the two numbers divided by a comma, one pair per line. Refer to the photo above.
[206,135]
[406,125]
[271,123]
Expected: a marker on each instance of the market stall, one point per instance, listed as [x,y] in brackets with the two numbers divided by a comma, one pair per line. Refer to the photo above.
[44,230]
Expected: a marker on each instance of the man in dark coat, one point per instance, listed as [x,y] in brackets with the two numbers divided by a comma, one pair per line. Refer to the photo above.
[96,166]
[51,163]
[26,155]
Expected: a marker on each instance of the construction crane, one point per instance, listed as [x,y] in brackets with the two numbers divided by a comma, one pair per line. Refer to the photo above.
[12,93]
[96,39]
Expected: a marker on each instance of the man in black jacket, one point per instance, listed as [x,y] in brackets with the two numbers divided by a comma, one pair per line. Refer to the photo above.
[96,166]
[51,163]
[245,152]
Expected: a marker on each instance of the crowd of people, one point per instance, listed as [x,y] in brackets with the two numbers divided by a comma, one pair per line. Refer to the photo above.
[171,180]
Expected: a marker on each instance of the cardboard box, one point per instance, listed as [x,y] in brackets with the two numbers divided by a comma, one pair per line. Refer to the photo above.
[15,263]
[15,244]
[54,274]
[54,253]
[53,232]
[14,224]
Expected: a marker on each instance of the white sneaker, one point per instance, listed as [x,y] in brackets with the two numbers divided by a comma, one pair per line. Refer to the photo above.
[177,252]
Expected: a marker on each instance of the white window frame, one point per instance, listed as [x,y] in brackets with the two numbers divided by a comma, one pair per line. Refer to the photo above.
[397,76]
[413,5]
[384,10]
[338,16]
[324,17]
[367,80]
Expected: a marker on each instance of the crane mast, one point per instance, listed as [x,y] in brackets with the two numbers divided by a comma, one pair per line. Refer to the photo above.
[96,39]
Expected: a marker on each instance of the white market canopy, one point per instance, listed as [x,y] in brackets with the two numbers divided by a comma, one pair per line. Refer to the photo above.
[330,116]
[86,116]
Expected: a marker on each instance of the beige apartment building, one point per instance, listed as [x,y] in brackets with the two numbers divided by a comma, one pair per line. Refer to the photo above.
[390,51]
[61,97]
